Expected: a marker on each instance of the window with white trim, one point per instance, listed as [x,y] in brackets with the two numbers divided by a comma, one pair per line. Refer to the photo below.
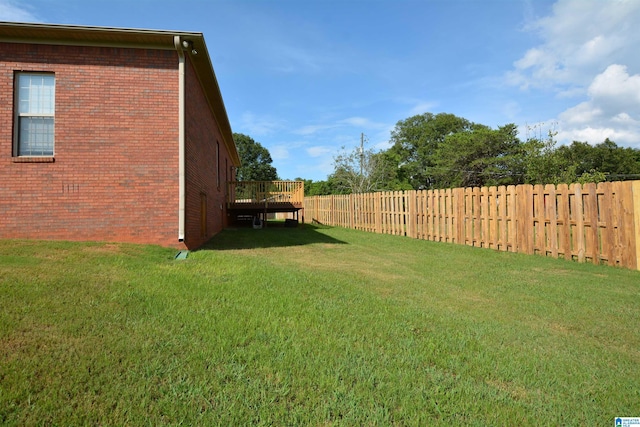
[34,114]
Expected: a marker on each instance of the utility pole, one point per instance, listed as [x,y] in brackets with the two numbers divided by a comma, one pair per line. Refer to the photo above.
[361,153]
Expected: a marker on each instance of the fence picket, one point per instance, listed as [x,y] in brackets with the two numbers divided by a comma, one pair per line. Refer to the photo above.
[592,223]
[564,225]
[578,215]
[608,240]
[512,213]
[477,217]
[631,225]
[551,220]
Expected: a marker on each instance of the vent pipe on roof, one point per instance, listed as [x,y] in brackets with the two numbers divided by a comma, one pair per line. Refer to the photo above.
[181,139]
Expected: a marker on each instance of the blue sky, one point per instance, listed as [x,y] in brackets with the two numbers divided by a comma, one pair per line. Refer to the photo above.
[306,78]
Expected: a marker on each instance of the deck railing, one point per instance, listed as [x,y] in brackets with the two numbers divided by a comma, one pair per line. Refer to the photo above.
[268,192]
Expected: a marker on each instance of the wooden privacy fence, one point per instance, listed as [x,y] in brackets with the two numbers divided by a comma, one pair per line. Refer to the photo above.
[588,223]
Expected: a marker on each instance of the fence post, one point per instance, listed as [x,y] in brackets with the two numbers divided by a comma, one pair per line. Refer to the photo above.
[634,231]
[352,211]
[525,219]
[458,209]
[551,215]
[578,208]
[591,215]
[609,240]
[512,210]
[377,214]
[493,217]
[484,209]
[565,221]
[411,213]
[502,216]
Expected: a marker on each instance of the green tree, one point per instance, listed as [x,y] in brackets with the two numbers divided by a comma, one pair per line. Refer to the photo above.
[617,161]
[477,157]
[359,171]
[395,178]
[579,155]
[318,188]
[443,150]
[256,160]
[580,162]
[415,143]
[544,164]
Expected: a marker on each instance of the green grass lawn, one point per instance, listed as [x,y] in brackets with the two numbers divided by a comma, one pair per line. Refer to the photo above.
[313,326]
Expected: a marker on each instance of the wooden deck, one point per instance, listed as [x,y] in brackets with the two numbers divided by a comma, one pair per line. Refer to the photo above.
[259,198]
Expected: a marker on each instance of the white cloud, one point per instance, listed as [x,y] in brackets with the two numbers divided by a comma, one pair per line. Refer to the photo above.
[583,113]
[616,88]
[324,165]
[625,119]
[422,107]
[612,111]
[356,121]
[314,161]
[533,57]
[11,12]
[580,37]
[588,52]
[363,123]
[312,129]
[571,92]
[279,152]
[596,135]
[259,125]
[319,151]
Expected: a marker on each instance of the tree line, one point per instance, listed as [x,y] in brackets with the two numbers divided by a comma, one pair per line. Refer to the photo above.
[432,151]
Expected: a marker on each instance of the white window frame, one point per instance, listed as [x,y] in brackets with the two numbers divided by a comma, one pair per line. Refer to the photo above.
[44,110]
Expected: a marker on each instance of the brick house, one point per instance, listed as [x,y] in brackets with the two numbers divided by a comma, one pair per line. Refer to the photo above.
[111,135]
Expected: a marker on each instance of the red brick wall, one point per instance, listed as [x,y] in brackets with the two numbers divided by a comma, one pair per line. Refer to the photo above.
[202,138]
[115,173]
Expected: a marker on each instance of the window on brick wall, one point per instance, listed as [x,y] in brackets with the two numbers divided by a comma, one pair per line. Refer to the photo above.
[35,95]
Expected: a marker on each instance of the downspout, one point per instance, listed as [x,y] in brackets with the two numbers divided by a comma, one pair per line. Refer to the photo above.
[181,139]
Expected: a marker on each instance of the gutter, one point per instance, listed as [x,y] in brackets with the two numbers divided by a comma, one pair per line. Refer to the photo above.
[181,139]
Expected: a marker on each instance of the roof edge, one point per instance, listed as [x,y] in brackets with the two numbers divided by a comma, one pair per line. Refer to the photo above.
[77,35]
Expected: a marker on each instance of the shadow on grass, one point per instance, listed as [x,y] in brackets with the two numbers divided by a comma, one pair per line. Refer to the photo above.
[273,236]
